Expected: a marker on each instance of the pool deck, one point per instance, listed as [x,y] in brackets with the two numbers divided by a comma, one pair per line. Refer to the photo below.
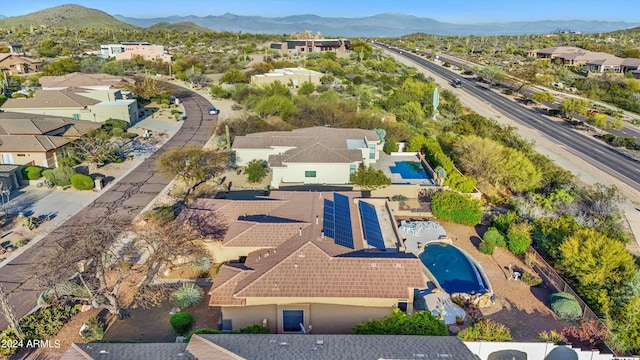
[387,161]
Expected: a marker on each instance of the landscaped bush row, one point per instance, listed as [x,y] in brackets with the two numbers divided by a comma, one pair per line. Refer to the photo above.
[456,207]
[31,172]
[399,323]
[487,330]
[436,157]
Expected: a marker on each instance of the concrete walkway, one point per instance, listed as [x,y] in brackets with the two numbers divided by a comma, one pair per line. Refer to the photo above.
[122,201]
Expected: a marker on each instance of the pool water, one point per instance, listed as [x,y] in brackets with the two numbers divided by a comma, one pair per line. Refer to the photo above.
[409,170]
[453,270]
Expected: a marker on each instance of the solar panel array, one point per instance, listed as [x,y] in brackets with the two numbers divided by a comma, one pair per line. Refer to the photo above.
[337,220]
[328,222]
[371,225]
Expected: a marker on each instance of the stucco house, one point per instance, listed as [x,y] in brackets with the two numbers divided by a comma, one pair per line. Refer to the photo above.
[131,49]
[27,139]
[14,64]
[308,46]
[302,260]
[78,104]
[316,155]
[81,80]
[596,62]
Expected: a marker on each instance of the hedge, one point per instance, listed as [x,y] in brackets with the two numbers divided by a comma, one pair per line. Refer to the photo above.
[565,306]
[456,207]
[494,237]
[31,172]
[436,157]
[82,182]
[181,321]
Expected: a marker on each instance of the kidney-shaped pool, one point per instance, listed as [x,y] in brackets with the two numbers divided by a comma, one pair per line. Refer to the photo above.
[452,269]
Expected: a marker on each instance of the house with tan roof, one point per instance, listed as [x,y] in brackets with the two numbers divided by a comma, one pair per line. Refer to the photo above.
[316,155]
[596,62]
[288,76]
[14,64]
[81,80]
[78,104]
[28,139]
[304,260]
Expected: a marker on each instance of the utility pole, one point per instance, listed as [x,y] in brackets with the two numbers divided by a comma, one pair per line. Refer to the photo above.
[10,314]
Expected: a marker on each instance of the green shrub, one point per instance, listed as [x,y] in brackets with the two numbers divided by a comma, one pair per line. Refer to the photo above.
[502,222]
[187,295]
[117,123]
[117,132]
[390,146]
[129,135]
[530,279]
[31,172]
[175,111]
[202,331]
[565,306]
[94,331]
[181,321]
[47,322]
[67,161]
[456,207]
[519,238]
[494,237]
[254,329]
[399,323]
[21,243]
[162,215]
[8,337]
[82,182]
[256,170]
[486,248]
[60,176]
[487,330]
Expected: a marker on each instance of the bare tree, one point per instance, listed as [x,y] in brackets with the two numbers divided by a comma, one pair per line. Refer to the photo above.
[9,314]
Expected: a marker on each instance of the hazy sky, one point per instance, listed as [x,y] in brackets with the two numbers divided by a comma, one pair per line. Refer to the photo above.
[455,11]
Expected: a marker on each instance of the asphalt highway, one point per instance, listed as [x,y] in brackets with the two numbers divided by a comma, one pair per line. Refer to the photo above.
[605,157]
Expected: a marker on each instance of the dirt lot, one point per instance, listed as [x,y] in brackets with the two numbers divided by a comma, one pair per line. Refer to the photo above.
[524,309]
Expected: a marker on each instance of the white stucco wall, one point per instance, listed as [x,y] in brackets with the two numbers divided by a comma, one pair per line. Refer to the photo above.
[325,174]
[243,156]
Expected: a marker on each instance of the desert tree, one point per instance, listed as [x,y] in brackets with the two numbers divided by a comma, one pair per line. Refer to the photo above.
[192,164]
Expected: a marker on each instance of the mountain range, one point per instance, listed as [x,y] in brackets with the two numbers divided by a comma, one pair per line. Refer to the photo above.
[387,25]
[381,25]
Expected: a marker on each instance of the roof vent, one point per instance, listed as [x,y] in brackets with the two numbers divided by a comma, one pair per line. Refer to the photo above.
[319,342]
[104,352]
[283,344]
[374,265]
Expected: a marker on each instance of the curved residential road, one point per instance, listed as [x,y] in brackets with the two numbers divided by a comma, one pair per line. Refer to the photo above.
[602,156]
[122,201]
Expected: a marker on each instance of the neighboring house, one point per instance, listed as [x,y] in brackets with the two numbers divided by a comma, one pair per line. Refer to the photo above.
[309,46]
[78,104]
[316,155]
[596,62]
[129,50]
[27,139]
[82,81]
[288,76]
[14,64]
[304,259]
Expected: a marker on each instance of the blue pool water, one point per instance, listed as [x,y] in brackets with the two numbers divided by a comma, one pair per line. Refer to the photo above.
[409,170]
[453,270]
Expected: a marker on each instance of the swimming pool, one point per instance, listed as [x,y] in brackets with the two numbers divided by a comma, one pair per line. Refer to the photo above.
[452,269]
[409,170]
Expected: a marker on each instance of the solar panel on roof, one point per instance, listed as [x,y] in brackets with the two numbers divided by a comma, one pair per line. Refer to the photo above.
[328,220]
[342,216]
[371,225]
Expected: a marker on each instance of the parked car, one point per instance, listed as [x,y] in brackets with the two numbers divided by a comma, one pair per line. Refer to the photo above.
[213,111]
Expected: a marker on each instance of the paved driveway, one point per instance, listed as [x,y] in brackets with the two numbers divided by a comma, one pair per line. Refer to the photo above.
[121,202]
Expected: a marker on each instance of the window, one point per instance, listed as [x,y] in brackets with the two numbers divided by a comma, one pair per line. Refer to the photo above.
[372,151]
[352,169]
[291,320]
[76,116]
[309,173]
[22,154]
